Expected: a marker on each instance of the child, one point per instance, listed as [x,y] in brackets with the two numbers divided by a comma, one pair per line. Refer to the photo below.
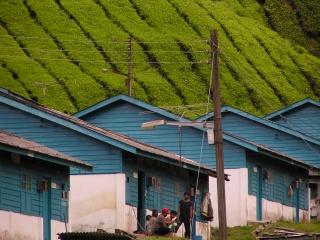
[171,221]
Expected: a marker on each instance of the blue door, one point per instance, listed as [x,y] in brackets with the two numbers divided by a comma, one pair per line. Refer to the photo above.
[46,214]
[142,199]
[259,193]
[157,194]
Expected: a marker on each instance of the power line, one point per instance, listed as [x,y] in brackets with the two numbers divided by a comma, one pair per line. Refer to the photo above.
[111,42]
[299,134]
[101,51]
[93,61]
[247,79]
[301,117]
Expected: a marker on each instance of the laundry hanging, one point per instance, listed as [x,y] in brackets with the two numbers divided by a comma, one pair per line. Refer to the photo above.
[206,207]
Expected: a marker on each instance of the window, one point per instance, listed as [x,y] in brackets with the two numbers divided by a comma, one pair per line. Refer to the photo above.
[157,185]
[26,195]
[26,181]
[313,190]
[64,193]
[179,191]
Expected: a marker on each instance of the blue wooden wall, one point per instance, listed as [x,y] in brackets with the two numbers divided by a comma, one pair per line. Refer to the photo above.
[271,138]
[30,201]
[106,158]
[126,118]
[171,184]
[281,176]
[305,119]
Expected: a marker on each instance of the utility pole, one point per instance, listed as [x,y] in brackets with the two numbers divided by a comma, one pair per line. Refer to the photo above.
[218,142]
[129,66]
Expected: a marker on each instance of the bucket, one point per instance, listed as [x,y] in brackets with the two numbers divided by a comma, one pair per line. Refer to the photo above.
[197,238]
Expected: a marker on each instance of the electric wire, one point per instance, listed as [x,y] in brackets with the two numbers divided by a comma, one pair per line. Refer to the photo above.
[189,63]
[315,130]
[302,131]
[245,77]
[94,61]
[202,144]
[107,42]
[303,138]
[100,51]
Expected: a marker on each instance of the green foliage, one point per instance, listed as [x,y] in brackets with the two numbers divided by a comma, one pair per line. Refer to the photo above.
[307,227]
[54,52]
[283,19]
[235,233]
[8,82]
[244,232]
[308,12]
[297,20]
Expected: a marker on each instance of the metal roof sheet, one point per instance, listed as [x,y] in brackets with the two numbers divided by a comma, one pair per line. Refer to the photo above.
[280,154]
[32,147]
[113,135]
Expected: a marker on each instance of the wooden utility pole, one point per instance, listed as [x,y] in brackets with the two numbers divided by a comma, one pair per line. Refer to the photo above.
[129,66]
[218,142]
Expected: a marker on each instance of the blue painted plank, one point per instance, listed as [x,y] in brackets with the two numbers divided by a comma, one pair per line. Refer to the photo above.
[272,138]
[70,142]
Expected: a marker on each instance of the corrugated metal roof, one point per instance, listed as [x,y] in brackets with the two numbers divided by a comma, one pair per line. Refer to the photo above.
[280,154]
[292,107]
[313,173]
[32,147]
[92,236]
[113,135]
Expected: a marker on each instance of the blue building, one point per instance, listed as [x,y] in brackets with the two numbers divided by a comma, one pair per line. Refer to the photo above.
[34,188]
[130,178]
[261,174]
[304,117]
[285,134]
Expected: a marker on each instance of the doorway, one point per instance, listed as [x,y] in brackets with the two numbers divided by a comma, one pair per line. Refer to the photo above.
[141,211]
[46,211]
[259,193]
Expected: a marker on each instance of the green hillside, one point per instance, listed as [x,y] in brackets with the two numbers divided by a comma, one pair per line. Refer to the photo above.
[53,51]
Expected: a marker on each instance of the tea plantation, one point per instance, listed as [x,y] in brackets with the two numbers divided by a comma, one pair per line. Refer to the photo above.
[53,51]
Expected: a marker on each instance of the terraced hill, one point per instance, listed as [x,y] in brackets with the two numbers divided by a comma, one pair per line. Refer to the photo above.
[53,51]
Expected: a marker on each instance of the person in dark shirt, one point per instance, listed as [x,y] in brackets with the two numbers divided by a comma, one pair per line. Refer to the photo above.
[185,212]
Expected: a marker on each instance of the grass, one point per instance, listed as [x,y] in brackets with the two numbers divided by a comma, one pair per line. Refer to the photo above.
[244,232]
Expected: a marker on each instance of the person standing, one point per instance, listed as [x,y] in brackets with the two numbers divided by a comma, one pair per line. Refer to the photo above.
[185,212]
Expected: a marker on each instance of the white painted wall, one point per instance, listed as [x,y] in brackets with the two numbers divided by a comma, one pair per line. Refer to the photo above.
[97,202]
[241,207]
[57,227]
[236,197]
[252,207]
[314,208]
[130,219]
[203,229]
[16,226]
[273,211]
